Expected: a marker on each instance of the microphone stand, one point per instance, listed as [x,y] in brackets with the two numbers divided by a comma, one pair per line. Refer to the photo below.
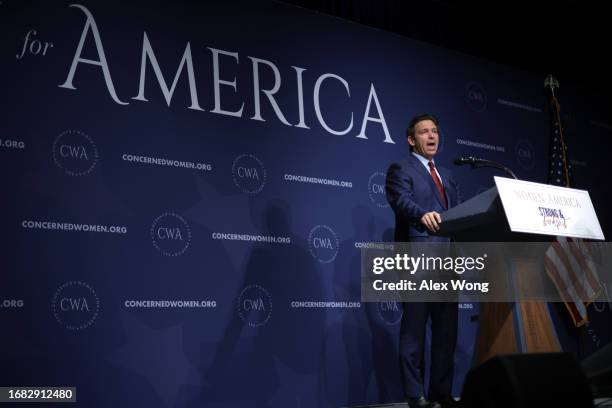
[489,163]
[477,163]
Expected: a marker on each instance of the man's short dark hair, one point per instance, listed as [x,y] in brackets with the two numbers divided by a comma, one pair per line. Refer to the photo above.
[419,118]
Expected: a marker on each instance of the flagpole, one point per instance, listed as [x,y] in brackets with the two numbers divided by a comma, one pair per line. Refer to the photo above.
[551,83]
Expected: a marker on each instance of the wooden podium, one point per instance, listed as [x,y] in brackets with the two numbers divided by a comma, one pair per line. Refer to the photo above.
[520,327]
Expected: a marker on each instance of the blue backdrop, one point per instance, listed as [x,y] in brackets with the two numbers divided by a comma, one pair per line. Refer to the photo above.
[186,189]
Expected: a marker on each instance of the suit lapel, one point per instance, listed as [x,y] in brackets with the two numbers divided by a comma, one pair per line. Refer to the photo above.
[428,179]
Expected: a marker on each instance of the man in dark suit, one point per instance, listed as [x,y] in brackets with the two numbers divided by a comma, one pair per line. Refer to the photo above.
[418,192]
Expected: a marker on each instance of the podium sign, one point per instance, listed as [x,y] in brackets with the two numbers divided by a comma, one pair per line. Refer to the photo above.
[548,210]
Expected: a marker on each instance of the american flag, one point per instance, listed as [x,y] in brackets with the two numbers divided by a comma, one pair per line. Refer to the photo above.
[568,261]
[570,265]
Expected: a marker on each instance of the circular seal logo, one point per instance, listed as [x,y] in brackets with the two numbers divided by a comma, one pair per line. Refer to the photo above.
[476,96]
[75,305]
[249,174]
[376,189]
[525,154]
[254,305]
[390,312]
[75,153]
[170,234]
[323,243]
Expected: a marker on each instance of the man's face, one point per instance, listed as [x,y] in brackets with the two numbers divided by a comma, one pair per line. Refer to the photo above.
[425,139]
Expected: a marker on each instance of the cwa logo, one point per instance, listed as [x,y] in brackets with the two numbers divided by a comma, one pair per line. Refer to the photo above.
[254,305]
[75,305]
[75,153]
[525,154]
[170,234]
[376,189]
[323,243]
[390,312]
[476,96]
[249,174]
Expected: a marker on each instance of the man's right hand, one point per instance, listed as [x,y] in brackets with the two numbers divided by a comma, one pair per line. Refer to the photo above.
[431,221]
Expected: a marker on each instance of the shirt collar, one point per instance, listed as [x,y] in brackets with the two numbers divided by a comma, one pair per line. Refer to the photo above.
[423,160]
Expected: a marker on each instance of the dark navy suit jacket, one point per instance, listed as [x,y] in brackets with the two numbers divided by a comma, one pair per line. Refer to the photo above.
[412,192]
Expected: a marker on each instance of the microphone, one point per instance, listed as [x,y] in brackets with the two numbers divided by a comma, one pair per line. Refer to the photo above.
[468,160]
[476,162]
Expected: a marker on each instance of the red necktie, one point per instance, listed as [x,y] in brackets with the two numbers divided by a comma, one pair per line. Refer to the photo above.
[436,179]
